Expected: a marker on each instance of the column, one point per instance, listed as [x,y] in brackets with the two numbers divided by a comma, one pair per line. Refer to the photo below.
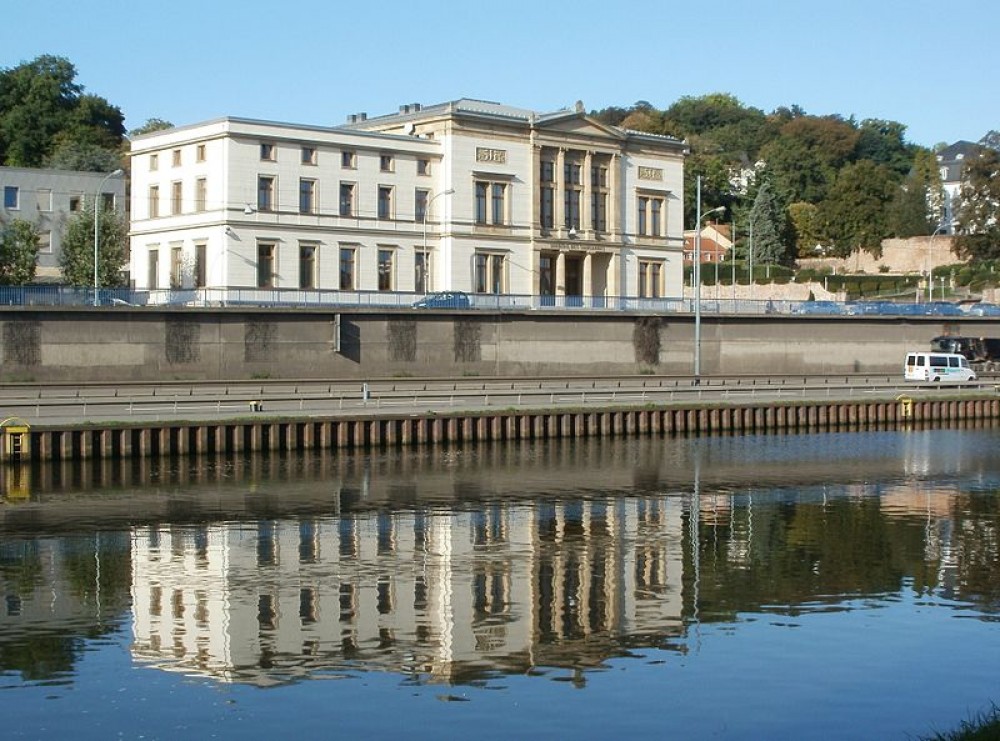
[559,207]
[589,186]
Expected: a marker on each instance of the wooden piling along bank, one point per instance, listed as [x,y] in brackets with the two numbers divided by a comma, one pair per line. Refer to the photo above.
[313,433]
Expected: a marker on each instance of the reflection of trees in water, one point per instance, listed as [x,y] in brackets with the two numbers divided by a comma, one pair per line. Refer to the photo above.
[57,593]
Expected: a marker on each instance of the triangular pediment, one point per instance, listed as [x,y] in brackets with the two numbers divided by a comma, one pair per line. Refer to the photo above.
[571,123]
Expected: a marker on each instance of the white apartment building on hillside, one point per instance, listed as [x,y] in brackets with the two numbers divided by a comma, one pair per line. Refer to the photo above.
[465,196]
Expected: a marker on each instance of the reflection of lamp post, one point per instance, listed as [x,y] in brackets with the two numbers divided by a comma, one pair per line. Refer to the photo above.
[427,208]
[97,221]
[697,281]
[930,246]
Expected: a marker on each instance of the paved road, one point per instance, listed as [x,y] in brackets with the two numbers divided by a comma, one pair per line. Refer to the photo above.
[61,404]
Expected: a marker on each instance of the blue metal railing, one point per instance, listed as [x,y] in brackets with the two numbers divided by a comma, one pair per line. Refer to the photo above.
[54,295]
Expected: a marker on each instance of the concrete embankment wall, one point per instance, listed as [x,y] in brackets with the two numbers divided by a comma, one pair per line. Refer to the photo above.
[121,343]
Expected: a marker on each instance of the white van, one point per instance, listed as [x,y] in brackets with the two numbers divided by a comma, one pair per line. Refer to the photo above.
[938,367]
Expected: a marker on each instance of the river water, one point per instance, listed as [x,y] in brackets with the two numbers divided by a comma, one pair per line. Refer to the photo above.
[815,586]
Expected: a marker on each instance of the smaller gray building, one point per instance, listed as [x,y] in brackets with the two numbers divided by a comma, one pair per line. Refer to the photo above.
[47,198]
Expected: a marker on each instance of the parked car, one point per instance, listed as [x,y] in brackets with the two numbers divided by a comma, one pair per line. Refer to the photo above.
[942,308]
[983,309]
[818,307]
[444,300]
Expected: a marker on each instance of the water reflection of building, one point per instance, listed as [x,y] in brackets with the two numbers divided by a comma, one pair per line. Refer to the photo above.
[449,594]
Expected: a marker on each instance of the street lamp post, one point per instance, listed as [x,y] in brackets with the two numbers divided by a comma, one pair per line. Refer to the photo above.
[97,227]
[696,272]
[930,245]
[427,208]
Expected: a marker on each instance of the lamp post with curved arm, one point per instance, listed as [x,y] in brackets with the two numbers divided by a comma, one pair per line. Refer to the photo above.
[930,246]
[697,281]
[427,208]
[97,226]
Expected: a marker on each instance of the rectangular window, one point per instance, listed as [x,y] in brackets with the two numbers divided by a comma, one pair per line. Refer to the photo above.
[347,199]
[308,155]
[548,171]
[154,201]
[44,199]
[108,201]
[153,269]
[423,167]
[267,152]
[385,202]
[265,193]
[347,268]
[641,222]
[45,242]
[385,162]
[176,197]
[481,190]
[498,203]
[307,196]
[571,173]
[489,273]
[348,159]
[11,197]
[265,264]
[421,271]
[199,153]
[385,258]
[546,276]
[200,194]
[572,209]
[176,161]
[650,278]
[599,176]
[548,214]
[307,266]
[599,212]
[420,197]
[200,266]
[176,267]
[654,216]
[154,162]
[490,203]
[75,203]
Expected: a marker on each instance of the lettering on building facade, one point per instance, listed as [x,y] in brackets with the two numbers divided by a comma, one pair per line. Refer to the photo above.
[650,173]
[497,156]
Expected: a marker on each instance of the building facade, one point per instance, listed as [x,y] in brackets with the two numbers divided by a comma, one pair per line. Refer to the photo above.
[48,198]
[464,196]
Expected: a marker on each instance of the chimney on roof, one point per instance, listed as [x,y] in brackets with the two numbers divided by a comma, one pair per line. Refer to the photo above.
[409,108]
[356,117]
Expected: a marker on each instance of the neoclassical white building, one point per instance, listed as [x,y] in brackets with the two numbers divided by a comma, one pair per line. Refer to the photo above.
[465,196]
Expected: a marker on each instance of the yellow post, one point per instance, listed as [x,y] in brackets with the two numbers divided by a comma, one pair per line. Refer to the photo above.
[905,406]
[16,439]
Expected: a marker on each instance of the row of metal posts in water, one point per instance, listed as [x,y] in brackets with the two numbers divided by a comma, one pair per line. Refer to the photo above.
[22,442]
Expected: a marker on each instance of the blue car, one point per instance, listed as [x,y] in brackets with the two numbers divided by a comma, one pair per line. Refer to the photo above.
[982,309]
[943,308]
[444,300]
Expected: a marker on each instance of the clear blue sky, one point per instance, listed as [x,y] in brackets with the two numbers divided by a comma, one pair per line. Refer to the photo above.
[932,66]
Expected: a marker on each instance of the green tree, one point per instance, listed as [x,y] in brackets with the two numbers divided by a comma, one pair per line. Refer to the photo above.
[804,159]
[158,124]
[769,225]
[918,206]
[77,258]
[854,216]
[18,252]
[41,104]
[73,155]
[884,143]
[978,212]
[804,218]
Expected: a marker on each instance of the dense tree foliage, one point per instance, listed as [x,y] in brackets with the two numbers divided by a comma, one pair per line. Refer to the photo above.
[77,258]
[18,252]
[44,113]
[817,168]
